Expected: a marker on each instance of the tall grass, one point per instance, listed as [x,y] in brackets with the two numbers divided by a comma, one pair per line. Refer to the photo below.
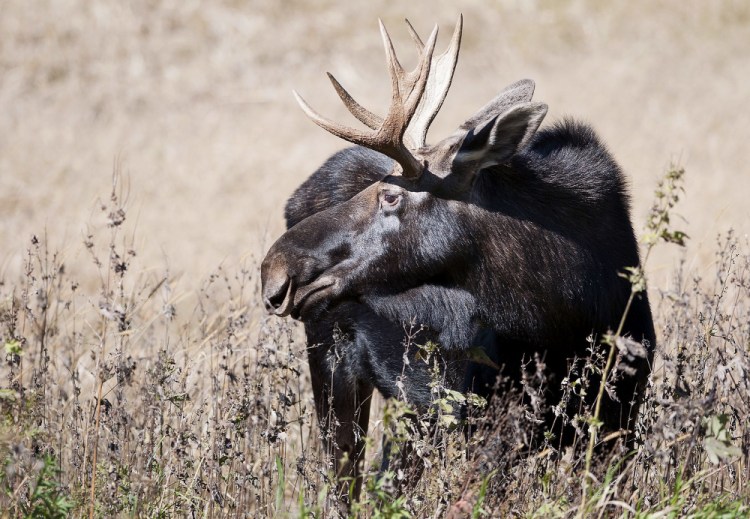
[127,397]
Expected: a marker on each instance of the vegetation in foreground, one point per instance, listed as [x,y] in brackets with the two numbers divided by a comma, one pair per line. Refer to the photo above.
[122,399]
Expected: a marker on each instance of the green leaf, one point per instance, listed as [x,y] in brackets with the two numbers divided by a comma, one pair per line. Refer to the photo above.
[480,356]
[454,396]
[475,400]
[718,451]
[448,420]
[8,394]
[717,442]
[13,347]
[280,486]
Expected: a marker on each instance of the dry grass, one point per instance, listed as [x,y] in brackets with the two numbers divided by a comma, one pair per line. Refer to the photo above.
[195,98]
[116,403]
[138,372]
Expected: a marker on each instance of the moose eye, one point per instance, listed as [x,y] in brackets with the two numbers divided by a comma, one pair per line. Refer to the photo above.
[391,199]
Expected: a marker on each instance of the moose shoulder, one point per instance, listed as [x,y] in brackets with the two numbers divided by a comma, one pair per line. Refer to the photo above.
[501,236]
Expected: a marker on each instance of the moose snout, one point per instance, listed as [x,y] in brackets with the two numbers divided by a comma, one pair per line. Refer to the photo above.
[275,294]
[289,276]
[277,286]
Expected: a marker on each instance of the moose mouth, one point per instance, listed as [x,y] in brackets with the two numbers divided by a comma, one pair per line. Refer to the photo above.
[297,303]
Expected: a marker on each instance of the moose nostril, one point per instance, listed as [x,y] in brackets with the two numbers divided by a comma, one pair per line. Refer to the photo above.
[276,299]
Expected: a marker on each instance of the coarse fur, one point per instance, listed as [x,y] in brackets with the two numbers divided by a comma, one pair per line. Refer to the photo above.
[352,350]
[563,201]
[529,262]
[507,239]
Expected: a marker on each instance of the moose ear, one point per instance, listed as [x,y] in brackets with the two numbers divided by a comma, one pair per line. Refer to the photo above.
[519,92]
[497,140]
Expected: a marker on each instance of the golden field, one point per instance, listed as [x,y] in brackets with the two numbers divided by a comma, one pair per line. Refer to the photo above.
[146,152]
[194,99]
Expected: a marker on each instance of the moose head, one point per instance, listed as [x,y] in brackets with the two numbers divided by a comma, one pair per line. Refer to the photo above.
[422,222]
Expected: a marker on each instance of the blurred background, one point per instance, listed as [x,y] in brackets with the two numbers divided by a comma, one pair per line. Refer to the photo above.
[193,100]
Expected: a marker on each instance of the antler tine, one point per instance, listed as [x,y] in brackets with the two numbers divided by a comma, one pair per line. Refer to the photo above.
[339,130]
[365,116]
[408,90]
[439,82]
[395,70]
[380,140]
[422,78]
[414,36]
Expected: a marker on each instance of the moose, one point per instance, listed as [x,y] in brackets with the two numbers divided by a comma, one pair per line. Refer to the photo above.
[502,236]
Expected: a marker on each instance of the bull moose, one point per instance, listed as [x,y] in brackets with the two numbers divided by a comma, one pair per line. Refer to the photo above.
[501,236]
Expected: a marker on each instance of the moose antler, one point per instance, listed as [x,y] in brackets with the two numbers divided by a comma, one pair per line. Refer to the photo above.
[416,97]
[441,75]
